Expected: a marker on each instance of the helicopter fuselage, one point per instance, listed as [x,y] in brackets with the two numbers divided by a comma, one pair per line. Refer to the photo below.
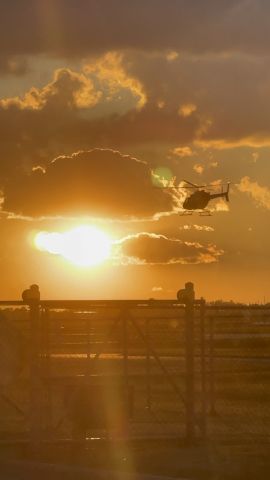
[200,199]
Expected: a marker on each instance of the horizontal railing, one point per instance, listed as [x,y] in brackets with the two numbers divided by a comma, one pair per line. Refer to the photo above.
[154,303]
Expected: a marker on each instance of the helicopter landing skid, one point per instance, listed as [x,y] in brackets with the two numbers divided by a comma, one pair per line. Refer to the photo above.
[186,213]
[202,213]
[205,213]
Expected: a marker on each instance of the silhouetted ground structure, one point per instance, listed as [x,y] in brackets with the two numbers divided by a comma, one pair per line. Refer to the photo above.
[163,380]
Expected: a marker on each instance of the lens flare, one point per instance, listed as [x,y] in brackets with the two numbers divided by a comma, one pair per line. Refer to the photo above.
[83,246]
[162,176]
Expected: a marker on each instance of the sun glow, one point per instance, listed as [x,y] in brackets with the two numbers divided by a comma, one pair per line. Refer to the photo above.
[83,246]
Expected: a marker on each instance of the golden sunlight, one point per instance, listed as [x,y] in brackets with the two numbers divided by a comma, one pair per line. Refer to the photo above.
[83,246]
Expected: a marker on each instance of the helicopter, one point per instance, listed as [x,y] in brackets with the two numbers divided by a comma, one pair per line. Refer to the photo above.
[199,199]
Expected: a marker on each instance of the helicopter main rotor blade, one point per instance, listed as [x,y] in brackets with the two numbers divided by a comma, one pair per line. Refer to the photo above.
[192,184]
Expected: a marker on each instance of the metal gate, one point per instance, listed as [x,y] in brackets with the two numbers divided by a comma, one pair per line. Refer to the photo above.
[134,369]
[126,368]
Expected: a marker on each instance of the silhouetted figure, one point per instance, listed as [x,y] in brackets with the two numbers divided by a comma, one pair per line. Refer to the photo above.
[187,294]
[32,294]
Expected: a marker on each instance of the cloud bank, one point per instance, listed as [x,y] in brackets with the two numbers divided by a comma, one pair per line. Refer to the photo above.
[260,194]
[72,27]
[150,248]
[101,183]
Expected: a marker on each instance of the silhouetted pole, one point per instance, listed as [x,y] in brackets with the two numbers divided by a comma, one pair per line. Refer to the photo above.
[31,297]
[88,352]
[203,368]
[125,316]
[46,320]
[35,406]
[190,405]
[148,368]
[125,320]
[187,297]
[212,392]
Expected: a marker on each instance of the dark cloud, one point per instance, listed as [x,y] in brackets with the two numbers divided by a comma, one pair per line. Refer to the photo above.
[229,94]
[77,27]
[218,100]
[39,125]
[150,248]
[47,122]
[98,183]
[151,124]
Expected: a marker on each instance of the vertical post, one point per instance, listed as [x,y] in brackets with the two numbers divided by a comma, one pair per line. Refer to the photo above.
[148,368]
[203,369]
[34,373]
[190,394]
[212,392]
[48,369]
[125,345]
[127,392]
[42,356]
[88,353]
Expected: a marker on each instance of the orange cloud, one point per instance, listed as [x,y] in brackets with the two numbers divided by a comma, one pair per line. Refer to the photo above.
[68,89]
[254,141]
[182,151]
[172,55]
[110,70]
[187,109]
[261,195]
[200,228]
[198,168]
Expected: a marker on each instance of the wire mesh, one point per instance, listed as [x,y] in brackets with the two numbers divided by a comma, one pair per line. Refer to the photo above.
[142,351]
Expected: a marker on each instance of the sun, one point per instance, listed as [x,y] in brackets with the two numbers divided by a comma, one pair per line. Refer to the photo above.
[83,246]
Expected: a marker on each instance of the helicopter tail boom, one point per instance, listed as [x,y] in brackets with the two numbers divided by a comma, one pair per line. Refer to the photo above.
[227,192]
[222,194]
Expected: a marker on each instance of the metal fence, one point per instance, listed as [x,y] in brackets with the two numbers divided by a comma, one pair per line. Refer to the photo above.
[239,361]
[138,369]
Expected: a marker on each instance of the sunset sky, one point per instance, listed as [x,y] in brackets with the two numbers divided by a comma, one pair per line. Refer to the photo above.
[100,101]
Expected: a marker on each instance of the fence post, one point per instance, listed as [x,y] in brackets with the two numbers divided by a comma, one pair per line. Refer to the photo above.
[187,297]
[203,368]
[148,368]
[88,352]
[212,392]
[35,406]
[125,340]
[47,369]
[125,317]
[190,403]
